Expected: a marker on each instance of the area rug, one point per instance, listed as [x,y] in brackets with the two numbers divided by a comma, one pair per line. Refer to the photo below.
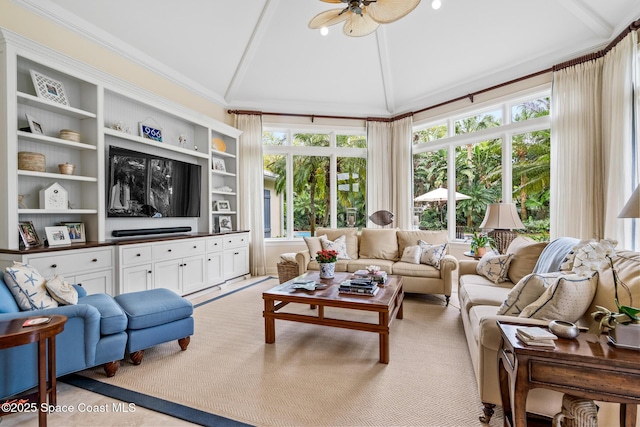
[313,375]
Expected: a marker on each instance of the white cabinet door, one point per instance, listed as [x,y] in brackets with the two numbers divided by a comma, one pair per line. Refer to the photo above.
[214,269]
[194,275]
[236,262]
[96,283]
[168,274]
[137,278]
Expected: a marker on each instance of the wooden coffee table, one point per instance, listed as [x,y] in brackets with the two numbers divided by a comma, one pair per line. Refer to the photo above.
[387,303]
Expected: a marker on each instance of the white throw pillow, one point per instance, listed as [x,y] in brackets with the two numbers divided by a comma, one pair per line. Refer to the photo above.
[412,254]
[28,287]
[314,245]
[568,299]
[527,291]
[62,291]
[494,266]
[432,254]
[339,245]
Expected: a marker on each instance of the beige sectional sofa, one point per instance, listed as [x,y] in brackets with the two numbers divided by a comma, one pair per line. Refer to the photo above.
[480,300]
[384,248]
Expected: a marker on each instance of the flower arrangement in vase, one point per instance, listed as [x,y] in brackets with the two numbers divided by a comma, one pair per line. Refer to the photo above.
[590,256]
[479,244]
[327,262]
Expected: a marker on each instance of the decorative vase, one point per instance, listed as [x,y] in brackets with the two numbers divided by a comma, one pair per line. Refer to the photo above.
[327,270]
[479,253]
[626,336]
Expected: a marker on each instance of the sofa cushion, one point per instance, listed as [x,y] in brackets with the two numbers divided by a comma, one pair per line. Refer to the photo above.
[411,237]
[494,266]
[61,290]
[567,299]
[28,287]
[432,254]
[314,245]
[154,307]
[363,263]
[7,301]
[471,295]
[337,245]
[525,255]
[415,270]
[378,243]
[411,254]
[351,238]
[527,291]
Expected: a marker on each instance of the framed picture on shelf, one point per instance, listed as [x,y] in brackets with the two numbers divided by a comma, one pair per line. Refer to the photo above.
[224,223]
[223,206]
[76,231]
[34,125]
[28,234]
[150,132]
[218,164]
[58,235]
[48,88]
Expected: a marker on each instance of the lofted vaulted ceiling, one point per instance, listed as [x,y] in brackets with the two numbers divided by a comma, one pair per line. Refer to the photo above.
[260,54]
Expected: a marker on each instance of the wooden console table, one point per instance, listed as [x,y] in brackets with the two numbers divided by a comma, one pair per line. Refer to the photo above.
[591,370]
[13,334]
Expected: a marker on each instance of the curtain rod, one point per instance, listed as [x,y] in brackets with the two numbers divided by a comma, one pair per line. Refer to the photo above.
[634,26]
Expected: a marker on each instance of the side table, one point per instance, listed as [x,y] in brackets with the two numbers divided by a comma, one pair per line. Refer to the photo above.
[591,370]
[13,334]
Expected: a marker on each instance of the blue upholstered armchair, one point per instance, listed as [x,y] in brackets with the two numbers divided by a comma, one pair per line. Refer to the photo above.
[93,335]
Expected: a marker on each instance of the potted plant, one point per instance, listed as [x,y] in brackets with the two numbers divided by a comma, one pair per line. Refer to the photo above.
[327,261]
[590,256]
[479,244]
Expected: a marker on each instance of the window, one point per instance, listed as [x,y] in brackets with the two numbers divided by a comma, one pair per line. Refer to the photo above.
[489,157]
[317,180]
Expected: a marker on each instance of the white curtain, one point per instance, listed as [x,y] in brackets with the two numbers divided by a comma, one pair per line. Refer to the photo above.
[576,152]
[402,172]
[378,168]
[620,177]
[251,188]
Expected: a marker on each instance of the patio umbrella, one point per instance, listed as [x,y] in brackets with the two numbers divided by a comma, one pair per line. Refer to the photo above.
[438,196]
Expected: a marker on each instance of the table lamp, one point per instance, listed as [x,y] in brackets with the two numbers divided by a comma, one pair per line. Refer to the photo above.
[501,218]
[632,208]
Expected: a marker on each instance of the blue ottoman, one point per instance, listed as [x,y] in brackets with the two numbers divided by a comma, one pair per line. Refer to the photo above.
[154,317]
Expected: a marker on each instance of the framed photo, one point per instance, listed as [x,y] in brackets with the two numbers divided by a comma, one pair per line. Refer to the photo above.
[58,235]
[224,223]
[218,164]
[76,231]
[48,88]
[223,205]
[28,234]
[150,132]
[34,125]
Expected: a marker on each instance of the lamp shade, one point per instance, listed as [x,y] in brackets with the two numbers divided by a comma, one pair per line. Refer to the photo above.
[632,208]
[501,216]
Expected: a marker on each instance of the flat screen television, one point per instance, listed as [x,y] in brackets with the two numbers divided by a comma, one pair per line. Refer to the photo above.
[149,186]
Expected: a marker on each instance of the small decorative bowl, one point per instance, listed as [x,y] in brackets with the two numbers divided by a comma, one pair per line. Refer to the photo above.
[564,329]
[66,168]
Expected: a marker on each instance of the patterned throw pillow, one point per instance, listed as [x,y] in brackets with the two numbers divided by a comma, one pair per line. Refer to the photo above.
[412,254]
[28,287]
[568,299]
[494,266]
[339,245]
[62,291]
[432,254]
[527,291]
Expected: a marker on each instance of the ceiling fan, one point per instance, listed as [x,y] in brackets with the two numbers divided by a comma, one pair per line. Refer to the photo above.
[362,17]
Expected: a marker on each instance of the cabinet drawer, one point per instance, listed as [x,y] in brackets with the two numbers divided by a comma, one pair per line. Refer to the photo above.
[214,244]
[178,249]
[135,255]
[236,240]
[73,262]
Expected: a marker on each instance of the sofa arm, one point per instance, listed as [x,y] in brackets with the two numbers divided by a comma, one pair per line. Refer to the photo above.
[467,266]
[490,337]
[303,258]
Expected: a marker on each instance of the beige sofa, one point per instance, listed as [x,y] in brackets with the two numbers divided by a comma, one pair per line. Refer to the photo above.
[384,248]
[479,303]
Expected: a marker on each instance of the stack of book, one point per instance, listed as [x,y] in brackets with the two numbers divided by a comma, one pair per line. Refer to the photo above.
[379,277]
[359,287]
[536,336]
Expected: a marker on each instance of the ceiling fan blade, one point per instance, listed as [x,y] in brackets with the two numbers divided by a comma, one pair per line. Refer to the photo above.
[329,17]
[385,11]
[360,25]
[334,1]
